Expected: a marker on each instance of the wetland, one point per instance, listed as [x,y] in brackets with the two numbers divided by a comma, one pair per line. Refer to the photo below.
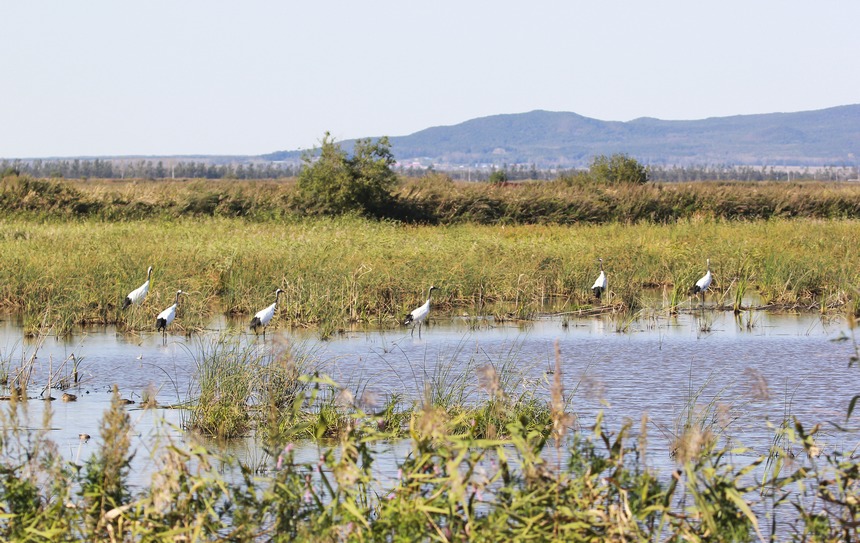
[525,407]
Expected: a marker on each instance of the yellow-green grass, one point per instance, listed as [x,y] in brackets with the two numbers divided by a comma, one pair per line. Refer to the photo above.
[437,200]
[348,270]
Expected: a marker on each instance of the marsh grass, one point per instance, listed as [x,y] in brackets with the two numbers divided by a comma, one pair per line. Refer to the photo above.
[782,452]
[699,424]
[740,290]
[673,297]
[6,365]
[20,372]
[509,399]
[243,388]
[622,321]
[445,382]
[239,387]
[223,389]
[337,272]
[438,200]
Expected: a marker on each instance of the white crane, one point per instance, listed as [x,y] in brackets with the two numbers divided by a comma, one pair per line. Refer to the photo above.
[417,315]
[599,286]
[703,283]
[136,296]
[166,317]
[264,316]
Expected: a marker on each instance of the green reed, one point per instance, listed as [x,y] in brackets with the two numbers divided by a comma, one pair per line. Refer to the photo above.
[240,387]
[341,271]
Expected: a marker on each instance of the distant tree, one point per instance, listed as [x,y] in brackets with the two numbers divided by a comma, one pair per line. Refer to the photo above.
[9,171]
[617,169]
[498,177]
[333,183]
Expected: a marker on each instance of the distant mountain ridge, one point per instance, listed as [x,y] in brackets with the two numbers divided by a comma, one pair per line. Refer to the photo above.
[547,139]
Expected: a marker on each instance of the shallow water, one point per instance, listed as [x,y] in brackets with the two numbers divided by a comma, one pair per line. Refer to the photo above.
[745,377]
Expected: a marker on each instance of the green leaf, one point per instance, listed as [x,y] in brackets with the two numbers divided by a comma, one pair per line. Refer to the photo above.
[741,504]
[349,506]
[851,406]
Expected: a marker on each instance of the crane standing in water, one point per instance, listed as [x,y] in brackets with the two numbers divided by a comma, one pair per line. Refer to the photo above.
[599,286]
[417,316]
[166,317]
[703,283]
[264,316]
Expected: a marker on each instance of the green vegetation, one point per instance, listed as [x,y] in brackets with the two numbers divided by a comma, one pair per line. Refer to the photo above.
[338,271]
[279,395]
[70,251]
[489,459]
[498,177]
[333,183]
[618,169]
[569,200]
[454,483]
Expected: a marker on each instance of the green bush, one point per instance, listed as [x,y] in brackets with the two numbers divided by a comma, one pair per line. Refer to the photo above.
[498,177]
[334,183]
[618,169]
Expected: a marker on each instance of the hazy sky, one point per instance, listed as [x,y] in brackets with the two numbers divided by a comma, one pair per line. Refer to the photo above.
[251,77]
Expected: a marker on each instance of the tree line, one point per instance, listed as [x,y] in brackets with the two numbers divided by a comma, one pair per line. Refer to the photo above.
[146,169]
[159,169]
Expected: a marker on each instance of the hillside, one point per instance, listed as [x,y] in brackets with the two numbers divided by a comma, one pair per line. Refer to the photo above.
[827,137]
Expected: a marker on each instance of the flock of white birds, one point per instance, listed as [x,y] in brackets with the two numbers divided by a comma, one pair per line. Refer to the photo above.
[415,318]
[163,320]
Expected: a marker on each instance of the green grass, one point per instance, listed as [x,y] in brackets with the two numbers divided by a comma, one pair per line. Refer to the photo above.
[348,270]
[70,251]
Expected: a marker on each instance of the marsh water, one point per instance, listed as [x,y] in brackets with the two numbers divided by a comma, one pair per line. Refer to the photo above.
[744,374]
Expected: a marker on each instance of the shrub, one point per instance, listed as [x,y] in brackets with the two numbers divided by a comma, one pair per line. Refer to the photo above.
[334,183]
[498,177]
[618,169]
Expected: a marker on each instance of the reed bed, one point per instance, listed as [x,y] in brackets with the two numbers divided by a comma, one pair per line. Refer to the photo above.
[340,271]
[277,393]
[438,200]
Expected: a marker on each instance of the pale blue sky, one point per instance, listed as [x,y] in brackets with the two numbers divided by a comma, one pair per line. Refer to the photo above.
[214,77]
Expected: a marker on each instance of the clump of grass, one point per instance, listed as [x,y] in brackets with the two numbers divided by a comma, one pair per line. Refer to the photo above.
[5,367]
[242,387]
[224,380]
[739,293]
[623,320]
[492,418]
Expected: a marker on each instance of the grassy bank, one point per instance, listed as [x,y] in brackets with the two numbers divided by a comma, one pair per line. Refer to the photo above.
[347,270]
